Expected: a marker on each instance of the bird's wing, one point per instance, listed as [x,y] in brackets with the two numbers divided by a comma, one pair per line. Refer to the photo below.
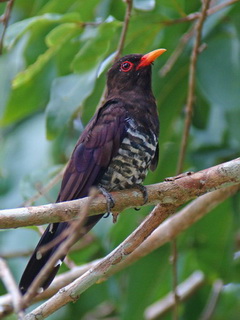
[96,147]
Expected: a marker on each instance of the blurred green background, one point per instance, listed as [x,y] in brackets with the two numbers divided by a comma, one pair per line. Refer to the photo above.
[52,74]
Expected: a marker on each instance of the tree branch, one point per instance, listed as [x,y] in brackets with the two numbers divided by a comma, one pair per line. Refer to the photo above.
[196,15]
[188,35]
[73,291]
[212,301]
[173,226]
[5,20]
[45,189]
[174,192]
[186,130]
[110,264]
[191,85]
[12,287]
[73,236]
[124,29]
[167,231]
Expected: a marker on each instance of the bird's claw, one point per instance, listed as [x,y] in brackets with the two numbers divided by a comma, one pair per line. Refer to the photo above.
[109,199]
[143,189]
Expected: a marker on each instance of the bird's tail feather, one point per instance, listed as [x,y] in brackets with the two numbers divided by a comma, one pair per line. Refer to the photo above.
[38,260]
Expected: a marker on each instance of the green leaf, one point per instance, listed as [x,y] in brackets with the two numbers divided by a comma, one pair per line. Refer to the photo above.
[141,34]
[62,31]
[29,98]
[55,41]
[221,86]
[228,306]
[86,9]
[95,48]
[16,30]
[67,95]
[16,61]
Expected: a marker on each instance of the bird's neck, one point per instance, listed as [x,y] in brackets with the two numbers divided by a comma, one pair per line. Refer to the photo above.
[139,106]
[135,96]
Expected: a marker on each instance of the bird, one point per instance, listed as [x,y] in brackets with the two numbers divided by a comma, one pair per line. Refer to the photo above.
[114,152]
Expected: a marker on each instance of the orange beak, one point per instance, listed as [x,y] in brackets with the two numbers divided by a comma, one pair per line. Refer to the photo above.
[148,58]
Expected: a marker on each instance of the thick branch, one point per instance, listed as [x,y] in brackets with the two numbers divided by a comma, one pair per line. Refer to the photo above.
[174,192]
[111,262]
[173,226]
[164,233]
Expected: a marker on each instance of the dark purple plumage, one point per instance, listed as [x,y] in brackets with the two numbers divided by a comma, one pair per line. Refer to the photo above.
[115,150]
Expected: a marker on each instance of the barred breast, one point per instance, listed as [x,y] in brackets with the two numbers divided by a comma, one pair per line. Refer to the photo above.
[130,166]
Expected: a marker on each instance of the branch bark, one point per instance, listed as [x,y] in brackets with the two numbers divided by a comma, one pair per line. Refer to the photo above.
[110,264]
[167,231]
[73,291]
[174,192]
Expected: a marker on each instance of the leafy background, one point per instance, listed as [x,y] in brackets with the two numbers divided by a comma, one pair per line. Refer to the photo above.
[52,74]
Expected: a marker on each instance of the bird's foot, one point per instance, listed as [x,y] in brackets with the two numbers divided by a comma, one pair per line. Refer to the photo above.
[109,199]
[143,189]
[179,176]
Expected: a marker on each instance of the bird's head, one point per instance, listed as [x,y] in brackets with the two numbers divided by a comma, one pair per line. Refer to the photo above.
[132,72]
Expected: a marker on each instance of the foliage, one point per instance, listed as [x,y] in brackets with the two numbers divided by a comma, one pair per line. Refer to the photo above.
[52,74]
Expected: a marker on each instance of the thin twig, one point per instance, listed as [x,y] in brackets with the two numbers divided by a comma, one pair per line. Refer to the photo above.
[5,21]
[187,36]
[42,191]
[75,227]
[124,30]
[11,287]
[177,52]
[74,290]
[83,243]
[17,254]
[214,296]
[120,45]
[176,296]
[196,15]
[187,124]
[191,85]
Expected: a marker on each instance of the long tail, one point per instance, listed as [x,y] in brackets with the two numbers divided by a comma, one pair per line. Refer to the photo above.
[38,260]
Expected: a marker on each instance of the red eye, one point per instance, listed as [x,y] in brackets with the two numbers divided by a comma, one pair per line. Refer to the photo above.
[126,66]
